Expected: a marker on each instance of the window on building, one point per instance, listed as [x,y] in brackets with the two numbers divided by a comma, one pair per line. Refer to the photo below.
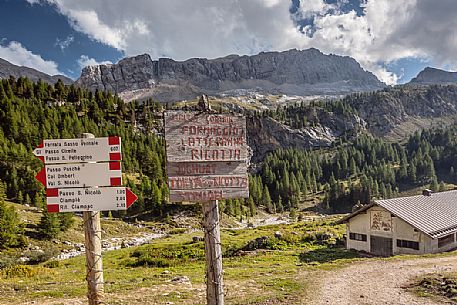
[446,240]
[407,244]
[357,236]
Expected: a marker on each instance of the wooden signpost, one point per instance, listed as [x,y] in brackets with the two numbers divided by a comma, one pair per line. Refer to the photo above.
[207,161]
[73,182]
[206,156]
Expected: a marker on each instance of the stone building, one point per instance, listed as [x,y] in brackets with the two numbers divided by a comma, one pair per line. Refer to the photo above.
[408,225]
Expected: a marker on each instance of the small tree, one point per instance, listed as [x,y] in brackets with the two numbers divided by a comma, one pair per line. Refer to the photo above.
[434,184]
[11,228]
[49,226]
[266,200]
[38,200]
[442,186]
[65,221]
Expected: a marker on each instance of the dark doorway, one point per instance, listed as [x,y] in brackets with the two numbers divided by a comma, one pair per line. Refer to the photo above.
[381,246]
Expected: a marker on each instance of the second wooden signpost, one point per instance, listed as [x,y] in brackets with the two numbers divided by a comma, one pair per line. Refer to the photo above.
[207,158]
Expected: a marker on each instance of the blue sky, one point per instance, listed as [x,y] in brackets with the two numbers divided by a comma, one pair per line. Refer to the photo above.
[393,39]
[42,30]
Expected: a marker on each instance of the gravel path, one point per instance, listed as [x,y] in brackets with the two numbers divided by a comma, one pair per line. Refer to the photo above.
[380,281]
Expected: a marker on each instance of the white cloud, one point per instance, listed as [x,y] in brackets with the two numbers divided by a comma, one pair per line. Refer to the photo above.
[64,43]
[388,30]
[309,8]
[88,22]
[16,54]
[85,60]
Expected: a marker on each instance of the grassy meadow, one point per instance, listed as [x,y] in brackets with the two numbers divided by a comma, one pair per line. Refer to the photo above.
[277,263]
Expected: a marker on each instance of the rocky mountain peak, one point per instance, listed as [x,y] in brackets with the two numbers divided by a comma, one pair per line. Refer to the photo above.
[292,72]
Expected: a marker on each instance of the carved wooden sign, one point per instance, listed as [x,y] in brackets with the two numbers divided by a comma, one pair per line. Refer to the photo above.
[206,156]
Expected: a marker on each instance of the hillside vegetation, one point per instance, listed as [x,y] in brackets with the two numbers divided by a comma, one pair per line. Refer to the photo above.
[275,263]
[356,168]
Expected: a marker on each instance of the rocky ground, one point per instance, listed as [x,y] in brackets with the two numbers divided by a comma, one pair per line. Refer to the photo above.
[380,281]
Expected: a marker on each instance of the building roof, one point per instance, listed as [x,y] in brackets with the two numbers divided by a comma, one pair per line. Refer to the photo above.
[435,215]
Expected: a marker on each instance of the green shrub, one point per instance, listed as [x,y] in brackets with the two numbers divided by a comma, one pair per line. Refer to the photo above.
[52,264]
[167,256]
[40,256]
[263,242]
[291,238]
[7,260]
[147,260]
[178,231]
[19,271]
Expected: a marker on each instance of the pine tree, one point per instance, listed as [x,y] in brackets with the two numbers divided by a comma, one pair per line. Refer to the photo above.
[49,226]
[279,206]
[434,186]
[11,228]
[66,220]
[38,200]
[266,200]
[442,186]
[252,208]
[412,172]
[353,167]
[20,198]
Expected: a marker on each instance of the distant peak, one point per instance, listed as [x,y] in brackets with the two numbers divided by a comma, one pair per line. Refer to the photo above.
[430,75]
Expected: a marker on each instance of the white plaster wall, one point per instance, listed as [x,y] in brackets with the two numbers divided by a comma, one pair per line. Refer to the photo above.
[358,224]
[403,230]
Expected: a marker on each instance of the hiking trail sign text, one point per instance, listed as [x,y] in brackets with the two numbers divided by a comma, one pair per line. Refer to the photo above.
[76,181]
[80,175]
[89,199]
[206,156]
[79,150]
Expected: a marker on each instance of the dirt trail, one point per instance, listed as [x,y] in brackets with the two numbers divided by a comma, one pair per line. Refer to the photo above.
[380,281]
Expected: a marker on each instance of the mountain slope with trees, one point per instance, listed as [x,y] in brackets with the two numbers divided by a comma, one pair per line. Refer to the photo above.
[353,167]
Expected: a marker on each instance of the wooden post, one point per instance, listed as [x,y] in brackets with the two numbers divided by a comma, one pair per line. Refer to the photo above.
[93,245]
[213,253]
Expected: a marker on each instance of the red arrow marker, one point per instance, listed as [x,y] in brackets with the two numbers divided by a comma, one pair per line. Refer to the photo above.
[41,176]
[131,197]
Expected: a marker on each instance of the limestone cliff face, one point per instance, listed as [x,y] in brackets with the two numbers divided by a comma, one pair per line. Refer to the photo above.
[412,107]
[306,72]
[393,113]
[266,134]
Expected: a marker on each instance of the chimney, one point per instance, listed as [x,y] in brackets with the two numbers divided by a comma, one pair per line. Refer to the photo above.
[427,192]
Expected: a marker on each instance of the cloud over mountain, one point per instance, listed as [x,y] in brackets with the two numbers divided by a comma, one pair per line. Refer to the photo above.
[15,53]
[374,32]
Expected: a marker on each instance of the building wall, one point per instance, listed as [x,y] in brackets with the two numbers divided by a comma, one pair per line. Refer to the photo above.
[434,248]
[358,224]
[378,221]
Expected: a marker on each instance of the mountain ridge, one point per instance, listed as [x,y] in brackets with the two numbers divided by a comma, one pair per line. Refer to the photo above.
[7,69]
[292,72]
[434,76]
